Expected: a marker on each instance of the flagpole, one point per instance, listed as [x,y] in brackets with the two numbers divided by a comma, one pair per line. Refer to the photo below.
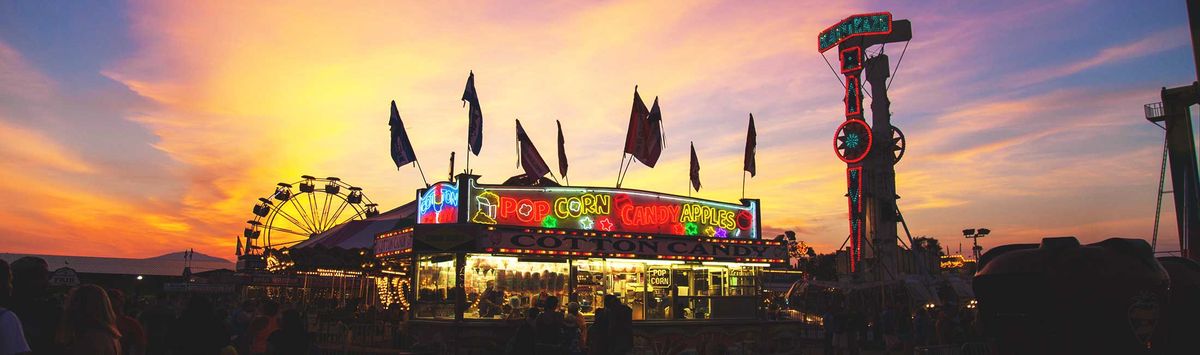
[626,172]
[743,184]
[418,162]
[619,168]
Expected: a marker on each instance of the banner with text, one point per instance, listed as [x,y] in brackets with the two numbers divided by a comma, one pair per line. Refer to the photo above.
[642,248]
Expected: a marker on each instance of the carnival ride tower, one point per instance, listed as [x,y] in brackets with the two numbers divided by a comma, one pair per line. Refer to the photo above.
[869,151]
[1179,146]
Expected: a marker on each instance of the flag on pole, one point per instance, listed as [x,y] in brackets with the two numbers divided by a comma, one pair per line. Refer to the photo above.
[637,123]
[475,123]
[651,136]
[562,151]
[751,144]
[531,161]
[402,150]
[695,171]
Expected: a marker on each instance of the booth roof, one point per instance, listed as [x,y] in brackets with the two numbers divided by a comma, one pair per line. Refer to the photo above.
[361,233]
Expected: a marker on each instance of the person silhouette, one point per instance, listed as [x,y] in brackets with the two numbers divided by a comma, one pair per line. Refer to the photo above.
[88,325]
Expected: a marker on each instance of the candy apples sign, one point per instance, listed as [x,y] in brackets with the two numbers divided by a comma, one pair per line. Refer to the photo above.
[610,210]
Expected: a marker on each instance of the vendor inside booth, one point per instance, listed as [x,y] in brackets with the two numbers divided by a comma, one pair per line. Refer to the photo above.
[493,251]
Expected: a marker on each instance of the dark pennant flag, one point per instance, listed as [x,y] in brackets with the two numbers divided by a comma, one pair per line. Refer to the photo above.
[637,122]
[651,136]
[402,150]
[531,161]
[562,151]
[475,125]
[695,171]
[751,144]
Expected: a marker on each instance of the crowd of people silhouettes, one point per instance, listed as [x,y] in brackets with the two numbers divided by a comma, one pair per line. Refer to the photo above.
[93,320]
[547,330]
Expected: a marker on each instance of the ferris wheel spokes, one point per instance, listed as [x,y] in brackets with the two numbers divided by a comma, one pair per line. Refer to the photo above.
[293,220]
[338,213]
[277,229]
[300,220]
[307,225]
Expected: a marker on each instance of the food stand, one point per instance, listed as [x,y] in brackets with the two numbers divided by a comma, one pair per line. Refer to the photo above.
[483,253]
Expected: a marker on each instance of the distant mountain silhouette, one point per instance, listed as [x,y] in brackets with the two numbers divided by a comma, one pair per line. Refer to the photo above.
[197,256]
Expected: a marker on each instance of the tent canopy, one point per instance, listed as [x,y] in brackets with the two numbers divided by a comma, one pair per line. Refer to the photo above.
[360,234]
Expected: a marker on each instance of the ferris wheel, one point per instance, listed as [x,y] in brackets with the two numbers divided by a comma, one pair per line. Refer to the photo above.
[300,210]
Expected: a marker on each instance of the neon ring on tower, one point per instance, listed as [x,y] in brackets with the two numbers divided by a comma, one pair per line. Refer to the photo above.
[852,141]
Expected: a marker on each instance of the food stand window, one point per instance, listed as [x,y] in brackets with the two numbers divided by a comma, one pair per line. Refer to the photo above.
[711,290]
[515,284]
[595,278]
[435,287]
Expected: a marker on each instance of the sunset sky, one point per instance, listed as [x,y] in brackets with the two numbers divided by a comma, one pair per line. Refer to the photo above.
[137,129]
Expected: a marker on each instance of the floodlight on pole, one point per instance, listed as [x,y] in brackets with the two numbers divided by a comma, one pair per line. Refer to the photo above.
[974,234]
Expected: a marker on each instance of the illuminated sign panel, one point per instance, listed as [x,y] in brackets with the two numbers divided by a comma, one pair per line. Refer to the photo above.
[852,60]
[857,25]
[853,96]
[953,262]
[395,242]
[438,204]
[666,248]
[609,210]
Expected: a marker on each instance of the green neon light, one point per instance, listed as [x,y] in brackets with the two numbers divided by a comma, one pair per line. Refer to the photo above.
[550,222]
[854,26]
[852,141]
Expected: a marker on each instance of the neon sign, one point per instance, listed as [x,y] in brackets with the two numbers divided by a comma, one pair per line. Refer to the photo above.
[438,204]
[605,209]
[548,242]
[854,26]
[953,262]
[395,242]
[852,59]
[853,95]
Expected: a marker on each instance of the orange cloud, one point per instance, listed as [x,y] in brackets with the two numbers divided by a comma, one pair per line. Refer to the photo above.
[23,148]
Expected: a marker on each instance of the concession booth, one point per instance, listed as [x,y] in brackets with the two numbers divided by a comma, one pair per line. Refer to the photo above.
[481,254]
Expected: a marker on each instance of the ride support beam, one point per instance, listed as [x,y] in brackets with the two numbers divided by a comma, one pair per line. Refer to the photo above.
[1181,151]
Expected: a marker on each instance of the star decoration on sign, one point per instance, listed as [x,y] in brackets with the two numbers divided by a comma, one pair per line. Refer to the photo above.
[721,233]
[586,223]
[709,231]
[691,228]
[606,224]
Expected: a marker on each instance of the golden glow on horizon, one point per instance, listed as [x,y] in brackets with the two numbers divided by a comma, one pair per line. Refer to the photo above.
[242,96]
